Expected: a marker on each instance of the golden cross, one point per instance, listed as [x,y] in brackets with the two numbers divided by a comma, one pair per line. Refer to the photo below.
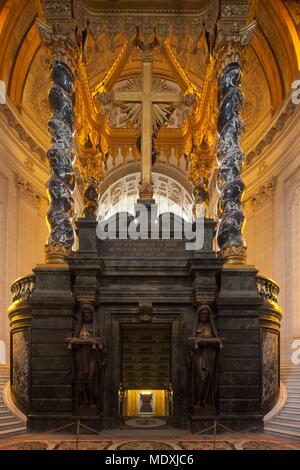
[148,98]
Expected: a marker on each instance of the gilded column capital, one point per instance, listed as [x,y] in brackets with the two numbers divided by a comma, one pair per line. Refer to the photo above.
[233,40]
[61,43]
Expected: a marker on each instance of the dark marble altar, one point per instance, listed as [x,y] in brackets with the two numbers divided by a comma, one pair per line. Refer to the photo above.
[116,278]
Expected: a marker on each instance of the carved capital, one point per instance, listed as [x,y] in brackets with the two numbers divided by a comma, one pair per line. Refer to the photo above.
[233,41]
[56,252]
[235,253]
[146,191]
[61,43]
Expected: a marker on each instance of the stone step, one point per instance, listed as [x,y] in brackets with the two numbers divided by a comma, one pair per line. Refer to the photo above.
[292,375]
[277,431]
[291,420]
[290,412]
[287,375]
[13,431]
[291,409]
[11,425]
[4,413]
[286,425]
[8,418]
[292,383]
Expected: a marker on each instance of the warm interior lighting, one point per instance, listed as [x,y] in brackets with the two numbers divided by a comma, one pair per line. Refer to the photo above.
[159,404]
[4,13]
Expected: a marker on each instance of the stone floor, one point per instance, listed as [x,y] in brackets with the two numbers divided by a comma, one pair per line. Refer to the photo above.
[148,440]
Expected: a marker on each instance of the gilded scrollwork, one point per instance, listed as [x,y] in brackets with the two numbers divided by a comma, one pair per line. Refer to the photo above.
[267,289]
[22,288]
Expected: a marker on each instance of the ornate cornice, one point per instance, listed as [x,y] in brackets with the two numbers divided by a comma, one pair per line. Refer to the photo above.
[233,41]
[22,134]
[167,22]
[273,133]
[61,43]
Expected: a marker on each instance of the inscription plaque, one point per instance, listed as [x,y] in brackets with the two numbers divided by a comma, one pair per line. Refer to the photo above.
[142,248]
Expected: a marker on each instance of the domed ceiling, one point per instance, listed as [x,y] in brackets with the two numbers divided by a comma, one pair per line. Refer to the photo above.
[273,62]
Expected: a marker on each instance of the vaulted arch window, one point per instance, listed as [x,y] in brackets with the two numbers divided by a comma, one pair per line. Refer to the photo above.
[169,195]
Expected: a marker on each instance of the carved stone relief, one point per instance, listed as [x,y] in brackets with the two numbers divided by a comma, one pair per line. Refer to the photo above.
[28,193]
[20,346]
[269,364]
[22,133]
[264,193]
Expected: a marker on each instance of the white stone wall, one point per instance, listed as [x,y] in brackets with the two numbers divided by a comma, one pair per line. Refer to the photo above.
[23,230]
[272,229]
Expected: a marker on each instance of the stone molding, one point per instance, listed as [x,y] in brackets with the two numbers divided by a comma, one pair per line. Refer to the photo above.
[18,128]
[28,193]
[273,133]
[264,193]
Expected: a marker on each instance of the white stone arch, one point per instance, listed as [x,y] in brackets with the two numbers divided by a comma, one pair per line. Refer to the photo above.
[169,195]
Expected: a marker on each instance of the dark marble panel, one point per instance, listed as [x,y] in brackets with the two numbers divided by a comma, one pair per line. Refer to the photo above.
[240,336]
[21,363]
[270,364]
[53,404]
[242,364]
[239,405]
[48,391]
[239,323]
[240,378]
[56,349]
[51,363]
[241,350]
[50,378]
[247,391]
[54,322]
[49,336]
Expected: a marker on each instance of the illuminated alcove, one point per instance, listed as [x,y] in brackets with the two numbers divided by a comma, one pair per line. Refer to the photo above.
[169,195]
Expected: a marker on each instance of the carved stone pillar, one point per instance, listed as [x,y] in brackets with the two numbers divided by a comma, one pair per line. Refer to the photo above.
[63,55]
[230,156]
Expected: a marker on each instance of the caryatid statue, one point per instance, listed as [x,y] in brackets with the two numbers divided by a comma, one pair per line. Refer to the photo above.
[88,361]
[204,351]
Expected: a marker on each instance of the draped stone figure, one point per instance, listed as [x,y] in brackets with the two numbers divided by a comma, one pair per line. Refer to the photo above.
[204,350]
[88,360]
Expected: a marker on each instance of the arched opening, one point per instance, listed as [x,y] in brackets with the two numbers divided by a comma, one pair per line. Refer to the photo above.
[169,195]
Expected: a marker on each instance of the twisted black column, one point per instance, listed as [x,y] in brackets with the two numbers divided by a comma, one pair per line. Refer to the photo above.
[61,157]
[230,158]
